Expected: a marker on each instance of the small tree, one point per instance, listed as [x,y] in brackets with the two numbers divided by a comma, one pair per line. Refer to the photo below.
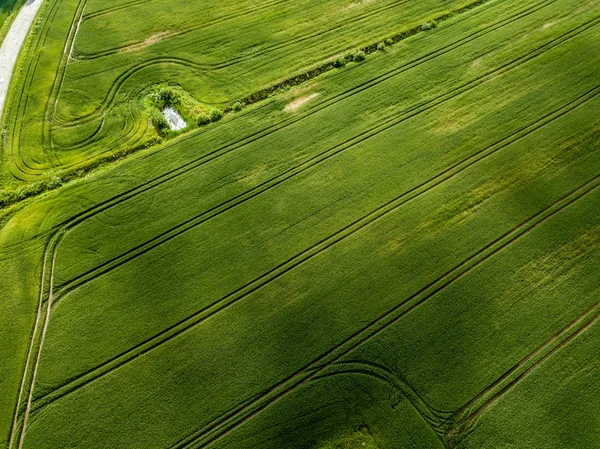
[203,119]
[359,56]
[215,115]
[54,183]
[339,62]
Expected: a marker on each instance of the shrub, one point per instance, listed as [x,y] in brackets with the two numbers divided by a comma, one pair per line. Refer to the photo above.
[339,62]
[389,41]
[164,96]
[203,119]
[359,56]
[54,183]
[238,106]
[380,46]
[428,25]
[7,198]
[159,121]
[215,115]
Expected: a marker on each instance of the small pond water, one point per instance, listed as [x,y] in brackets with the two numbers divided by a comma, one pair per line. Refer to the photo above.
[176,121]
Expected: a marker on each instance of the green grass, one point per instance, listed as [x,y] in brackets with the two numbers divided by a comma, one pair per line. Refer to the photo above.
[90,68]
[408,260]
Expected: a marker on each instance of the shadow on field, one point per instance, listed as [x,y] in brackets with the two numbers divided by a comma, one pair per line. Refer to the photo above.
[346,411]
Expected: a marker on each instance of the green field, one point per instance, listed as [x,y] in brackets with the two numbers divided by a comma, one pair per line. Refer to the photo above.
[401,252]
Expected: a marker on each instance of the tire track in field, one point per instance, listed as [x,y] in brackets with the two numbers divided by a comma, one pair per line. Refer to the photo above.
[124,196]
[312,162]
[232,420]
[109,10]
[282,269]
[37,325]
[464,420]
[22,103]
[42,320]
[268,48]
[54,97]
[433,417]
[373,82]
[60,74]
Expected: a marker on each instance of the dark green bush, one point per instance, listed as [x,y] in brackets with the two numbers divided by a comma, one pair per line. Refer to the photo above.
[238,106]
[429,25]
[159,121]
[339,62]
[215,115]
[54,183]
[359,56]
[380,46]
[389,41]
[203,119]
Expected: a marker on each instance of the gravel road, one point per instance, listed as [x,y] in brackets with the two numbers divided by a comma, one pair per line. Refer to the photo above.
[12,44]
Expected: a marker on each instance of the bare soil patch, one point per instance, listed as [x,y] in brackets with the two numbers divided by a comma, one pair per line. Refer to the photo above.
[298,102]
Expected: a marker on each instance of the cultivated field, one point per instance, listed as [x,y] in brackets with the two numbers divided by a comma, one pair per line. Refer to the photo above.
[401,252]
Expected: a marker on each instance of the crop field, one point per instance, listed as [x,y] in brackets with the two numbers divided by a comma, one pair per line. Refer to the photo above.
[397,250]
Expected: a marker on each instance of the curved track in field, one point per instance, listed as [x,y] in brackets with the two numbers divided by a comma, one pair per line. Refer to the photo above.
[433,417]
[44,309]
[28,170]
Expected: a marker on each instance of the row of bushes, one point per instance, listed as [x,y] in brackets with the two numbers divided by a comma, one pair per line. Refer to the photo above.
[357,55]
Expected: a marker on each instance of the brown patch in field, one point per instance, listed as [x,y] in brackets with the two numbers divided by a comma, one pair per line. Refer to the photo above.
[155,38]
[358,3]
[298,102]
